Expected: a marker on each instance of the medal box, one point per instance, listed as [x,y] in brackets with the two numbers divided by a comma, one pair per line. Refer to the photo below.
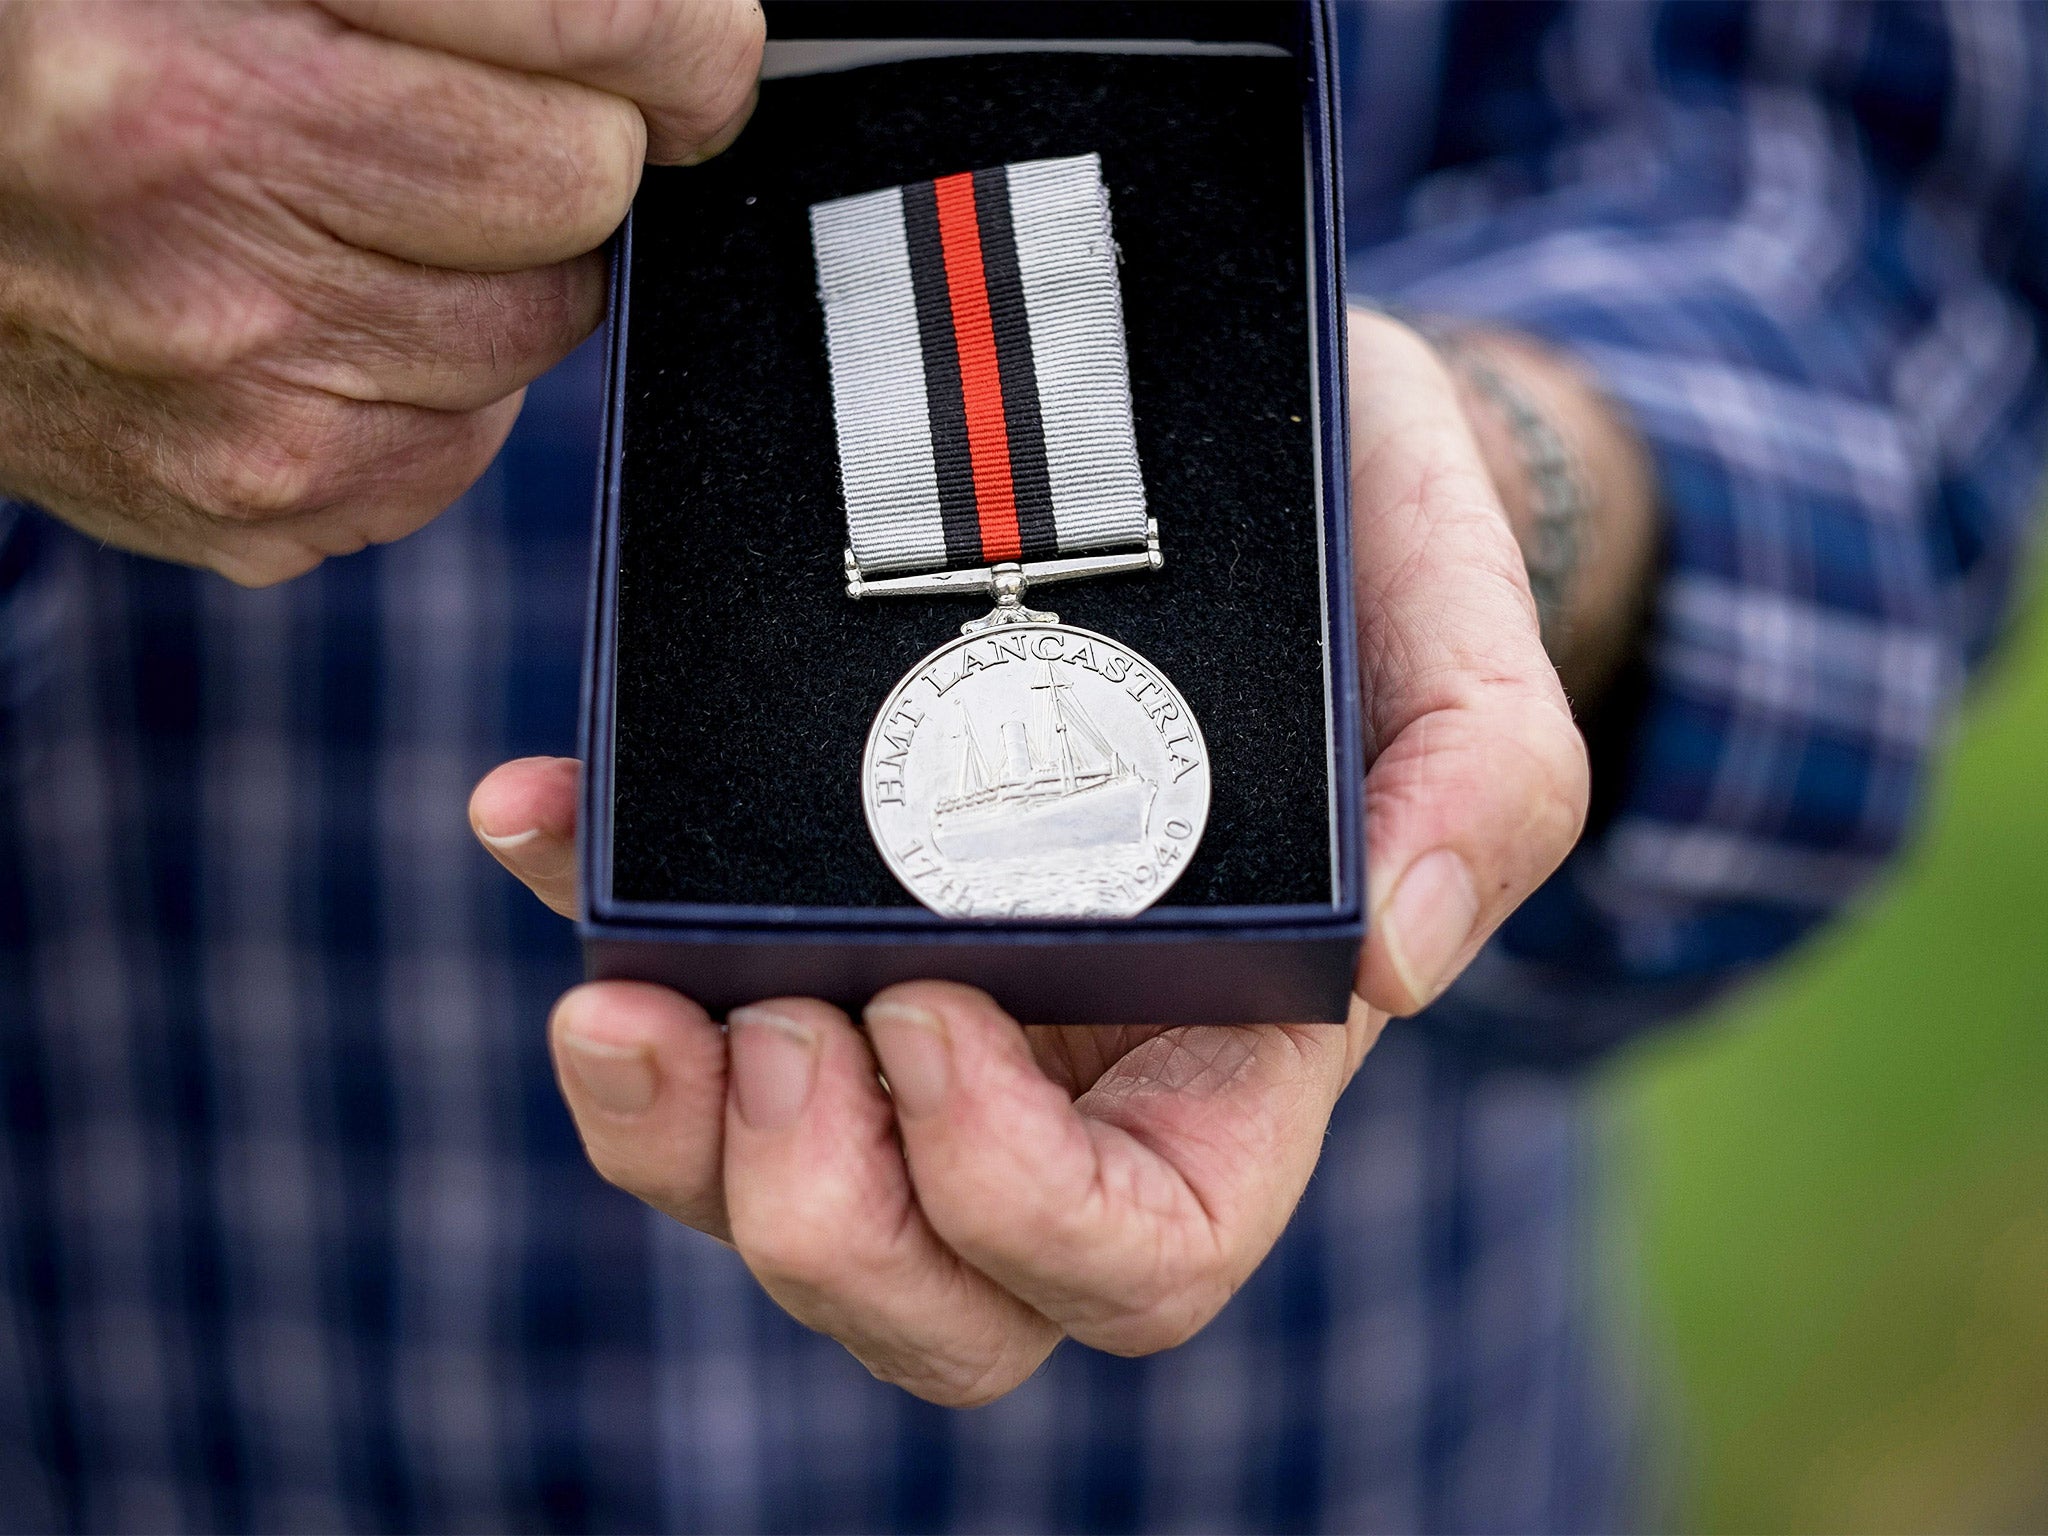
[733,684]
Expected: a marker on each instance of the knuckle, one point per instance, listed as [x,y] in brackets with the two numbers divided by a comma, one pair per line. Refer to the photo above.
[115,130]
[791,1251]
[282,468]
[500,326]
[825,1238]
[988,1218]
[1170,1290]
[193,333]
[573,181]
[806,1237]
[996,1225]
[565,304]
[111,105]
[599,186]
[258,483]
[570,177]
[65,85]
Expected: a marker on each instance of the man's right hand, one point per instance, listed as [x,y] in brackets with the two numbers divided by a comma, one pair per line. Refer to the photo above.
[273,279]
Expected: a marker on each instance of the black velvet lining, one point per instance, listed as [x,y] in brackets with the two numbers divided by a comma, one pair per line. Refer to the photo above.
[747,679]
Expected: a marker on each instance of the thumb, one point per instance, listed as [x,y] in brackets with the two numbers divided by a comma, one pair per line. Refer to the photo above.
[525,813]
[689,65]
[1479,787]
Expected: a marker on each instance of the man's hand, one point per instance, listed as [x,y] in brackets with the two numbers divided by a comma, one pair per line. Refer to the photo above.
[949,1194]
[273,279]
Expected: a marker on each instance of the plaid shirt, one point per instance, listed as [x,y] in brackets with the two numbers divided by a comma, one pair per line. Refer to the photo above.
[294,1233]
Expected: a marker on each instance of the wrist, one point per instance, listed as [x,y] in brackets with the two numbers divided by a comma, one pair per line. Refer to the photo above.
[1574,480]
[1539,479]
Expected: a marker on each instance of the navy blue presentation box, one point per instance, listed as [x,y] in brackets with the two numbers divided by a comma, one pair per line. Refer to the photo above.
[730,682]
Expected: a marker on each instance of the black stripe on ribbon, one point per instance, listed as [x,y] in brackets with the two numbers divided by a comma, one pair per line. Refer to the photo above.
[946,404]
[1030,483]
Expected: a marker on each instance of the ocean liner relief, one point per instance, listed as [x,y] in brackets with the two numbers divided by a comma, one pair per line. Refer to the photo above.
[1064,788]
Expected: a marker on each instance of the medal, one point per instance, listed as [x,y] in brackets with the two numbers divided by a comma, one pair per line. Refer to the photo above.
[981,397]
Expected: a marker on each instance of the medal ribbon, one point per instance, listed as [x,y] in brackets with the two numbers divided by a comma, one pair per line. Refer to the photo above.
[980,388]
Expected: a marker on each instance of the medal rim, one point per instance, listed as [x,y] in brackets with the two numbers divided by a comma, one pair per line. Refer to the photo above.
[896,688]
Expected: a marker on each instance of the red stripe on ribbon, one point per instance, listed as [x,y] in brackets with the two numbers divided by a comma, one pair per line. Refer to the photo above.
[981,382]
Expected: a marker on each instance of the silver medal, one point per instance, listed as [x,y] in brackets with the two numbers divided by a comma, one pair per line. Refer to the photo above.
[1036,770]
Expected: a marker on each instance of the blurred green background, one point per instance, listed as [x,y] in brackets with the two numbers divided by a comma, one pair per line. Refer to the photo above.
[1839,1186]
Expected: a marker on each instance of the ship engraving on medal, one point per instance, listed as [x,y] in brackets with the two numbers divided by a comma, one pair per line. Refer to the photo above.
[1036,770]
[1060,788]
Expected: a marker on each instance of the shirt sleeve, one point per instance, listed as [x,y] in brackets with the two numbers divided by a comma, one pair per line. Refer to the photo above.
[1804,247]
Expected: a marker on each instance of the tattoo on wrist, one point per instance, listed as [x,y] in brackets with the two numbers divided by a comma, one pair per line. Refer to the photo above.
[1554,548]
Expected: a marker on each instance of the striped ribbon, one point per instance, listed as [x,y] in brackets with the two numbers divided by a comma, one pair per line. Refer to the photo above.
[979,383]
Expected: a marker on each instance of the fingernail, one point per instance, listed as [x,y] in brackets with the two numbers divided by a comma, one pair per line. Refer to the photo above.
[495,833]
[774,1064]
[1427,921]
[919,1058]
[619,1079]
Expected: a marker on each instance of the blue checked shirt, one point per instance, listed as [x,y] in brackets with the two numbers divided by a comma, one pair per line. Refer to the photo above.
[295,1235]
